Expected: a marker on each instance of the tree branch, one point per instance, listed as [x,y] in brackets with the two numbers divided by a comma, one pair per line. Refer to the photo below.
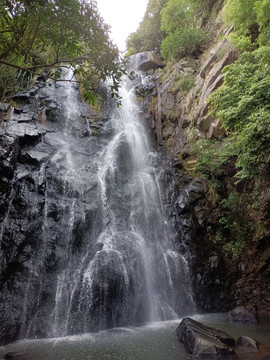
[32,68]
[33,39]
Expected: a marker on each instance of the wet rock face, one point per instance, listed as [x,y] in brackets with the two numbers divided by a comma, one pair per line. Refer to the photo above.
[212,283]
[39,210]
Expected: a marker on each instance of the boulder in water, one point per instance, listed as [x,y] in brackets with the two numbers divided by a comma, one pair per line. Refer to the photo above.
[201,340]
[242,314]
[145,61]
[247,343]
[14,356]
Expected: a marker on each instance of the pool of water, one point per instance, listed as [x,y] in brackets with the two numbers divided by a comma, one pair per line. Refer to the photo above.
[154,341]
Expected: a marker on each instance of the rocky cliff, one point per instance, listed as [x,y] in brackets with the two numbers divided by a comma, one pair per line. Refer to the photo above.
[175,101]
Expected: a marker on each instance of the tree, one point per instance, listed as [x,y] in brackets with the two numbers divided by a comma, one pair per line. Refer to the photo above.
[149,34]
[41,34]
[179,21]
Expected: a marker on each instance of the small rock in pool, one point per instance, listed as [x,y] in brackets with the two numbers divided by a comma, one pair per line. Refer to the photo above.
[248,343]
[15,356]
[241,314]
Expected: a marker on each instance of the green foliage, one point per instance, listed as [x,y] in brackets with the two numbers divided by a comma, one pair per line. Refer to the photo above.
[149,34]
[212,155]
[253,144]
[173,19]
[241,14]
[12,80]
[234,224]
[243,104]
[42,34]
[262,9]
[242,43]
[178,20]
[233,229]
[182,43]
[185,81]
[174,16]
[248,17]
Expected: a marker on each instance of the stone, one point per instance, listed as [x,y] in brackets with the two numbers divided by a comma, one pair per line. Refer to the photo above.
[211,72]
[25,96]
[4,106]
[24,129]
[215,129]
[241,314]
[14,356]
[201,340]
[145,61]
[221,49]
[24,116]
[52,112]
[247,343]
[190,195]
[4,110]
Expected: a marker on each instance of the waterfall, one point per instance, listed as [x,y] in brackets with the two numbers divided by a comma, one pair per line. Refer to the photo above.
[106,252]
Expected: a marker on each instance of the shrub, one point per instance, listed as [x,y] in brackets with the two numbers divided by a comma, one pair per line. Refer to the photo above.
[243,105]
[185,81]
[182,43]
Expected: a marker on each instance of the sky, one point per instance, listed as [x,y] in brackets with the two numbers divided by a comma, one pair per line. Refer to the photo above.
[124,17]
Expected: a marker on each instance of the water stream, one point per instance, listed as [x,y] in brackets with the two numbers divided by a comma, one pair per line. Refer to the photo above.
[136,275]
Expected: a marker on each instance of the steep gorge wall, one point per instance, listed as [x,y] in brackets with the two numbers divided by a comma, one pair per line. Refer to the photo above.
[179,112]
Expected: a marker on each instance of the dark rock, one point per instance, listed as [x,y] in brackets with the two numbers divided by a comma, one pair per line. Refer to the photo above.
[23,116]
[248,343]
[25,96]
[241,314]
[99,246]
[25,130]
[190,195]
[52,112]
[14,356]
[4,106]
[201,340]
[145,61]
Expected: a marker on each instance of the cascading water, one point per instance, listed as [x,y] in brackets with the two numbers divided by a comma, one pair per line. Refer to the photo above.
[105,252]
[135,275]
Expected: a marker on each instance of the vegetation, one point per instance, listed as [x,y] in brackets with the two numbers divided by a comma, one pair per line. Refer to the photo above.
[179,21]
[149,34]
[185,81]
[232,227]
[243,101]
[172,28]
[43,34]
[242,105]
